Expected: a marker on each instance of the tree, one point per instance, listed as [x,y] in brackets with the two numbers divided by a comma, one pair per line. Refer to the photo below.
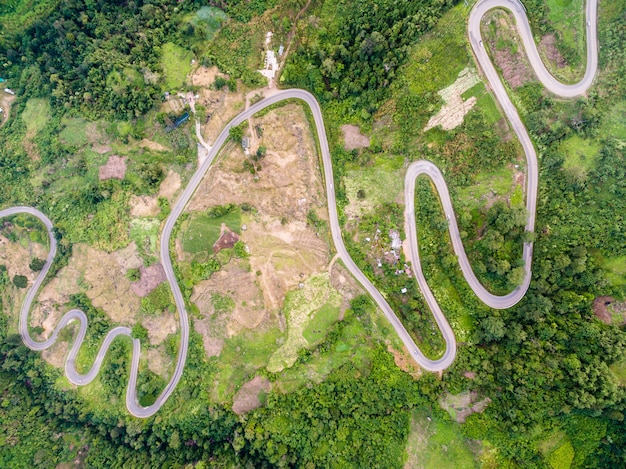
[20,281]
[37,264]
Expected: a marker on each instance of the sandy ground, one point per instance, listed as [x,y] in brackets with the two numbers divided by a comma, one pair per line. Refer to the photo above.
[143,206]
[205,76]
[170,186]
[353,138]
[455,108]
[247,398]
[115,168]
[159,327]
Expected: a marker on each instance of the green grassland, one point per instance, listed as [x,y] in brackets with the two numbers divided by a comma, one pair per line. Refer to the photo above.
[36,114]
[176,64]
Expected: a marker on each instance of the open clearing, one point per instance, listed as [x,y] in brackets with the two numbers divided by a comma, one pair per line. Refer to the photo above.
[176,64]
[435,443]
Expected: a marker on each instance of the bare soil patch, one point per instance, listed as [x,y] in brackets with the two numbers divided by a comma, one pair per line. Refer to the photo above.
[547,45]
[158,361]
[212,345]
[221,106]
[151,277]
[354,138]
[609,311]
[103,278]
[159,327]
[403,361]
[170,186]
[205,76]
[144,206]
[342,281]
[284,251]
[115,168]
[241,285]
[247,398]
[227,240]
[101,149]
[150,145]
[510,59]
[455,108]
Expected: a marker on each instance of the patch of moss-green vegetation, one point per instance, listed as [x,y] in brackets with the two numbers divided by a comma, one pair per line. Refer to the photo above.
[322,319]
[145,233]
[36,114]
[615,269]
[580,155]
[158,300]
[74,132]
[176,64]
[205,22]
[435,442]
[619,370]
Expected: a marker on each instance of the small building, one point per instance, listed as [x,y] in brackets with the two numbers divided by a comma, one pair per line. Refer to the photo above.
[281,49]
[245,143]
[7,90]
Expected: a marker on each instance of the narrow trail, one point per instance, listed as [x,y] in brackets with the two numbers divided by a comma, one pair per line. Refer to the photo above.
[418,168]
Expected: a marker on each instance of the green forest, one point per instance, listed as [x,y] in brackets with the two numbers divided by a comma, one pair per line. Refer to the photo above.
[551,370]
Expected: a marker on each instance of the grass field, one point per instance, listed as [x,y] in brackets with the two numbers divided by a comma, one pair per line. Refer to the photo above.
[580,155]
[203,231]
[323,318]
[74,132]
[176,63]
[36,114]
[435,443]
[145,233]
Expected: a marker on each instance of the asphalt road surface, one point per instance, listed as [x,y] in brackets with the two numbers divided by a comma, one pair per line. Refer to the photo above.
[418,168]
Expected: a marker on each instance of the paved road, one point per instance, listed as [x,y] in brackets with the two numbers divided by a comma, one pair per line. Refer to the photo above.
[416,169]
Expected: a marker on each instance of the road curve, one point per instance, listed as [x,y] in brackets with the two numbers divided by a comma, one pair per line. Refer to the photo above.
[418,168]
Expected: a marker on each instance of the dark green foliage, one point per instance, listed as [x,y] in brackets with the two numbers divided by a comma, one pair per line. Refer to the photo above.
[37,264]
[20,281]
[356,53]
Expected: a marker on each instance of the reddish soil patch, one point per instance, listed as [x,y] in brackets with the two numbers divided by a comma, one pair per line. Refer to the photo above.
[151,277]
[227,241]
[114,169]
[247,398]
[404,362]
[513,67]
[470,375]
[548,44]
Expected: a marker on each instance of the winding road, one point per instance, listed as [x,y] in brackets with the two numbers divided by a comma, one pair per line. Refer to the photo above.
[418,168]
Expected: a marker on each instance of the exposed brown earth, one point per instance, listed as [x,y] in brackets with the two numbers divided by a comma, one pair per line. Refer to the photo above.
[150,145]
[144,206]
[247,398]
[170,186]
[227,240]
[510,59]
[610,311]
[403,360]
[354,138]
[151,277]
[115,168]
[159,327]
[5,103]
[548,46]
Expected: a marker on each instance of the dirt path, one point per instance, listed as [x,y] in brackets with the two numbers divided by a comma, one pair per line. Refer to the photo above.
[5,103]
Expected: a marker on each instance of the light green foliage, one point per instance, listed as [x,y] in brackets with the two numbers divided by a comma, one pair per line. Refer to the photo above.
[580,156]
[322,319]
[36,114]
[158,300]
[74,132]
[145,233]
[205,22]
[176,64]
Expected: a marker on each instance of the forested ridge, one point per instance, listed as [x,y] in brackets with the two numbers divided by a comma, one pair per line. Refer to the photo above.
[550,368]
